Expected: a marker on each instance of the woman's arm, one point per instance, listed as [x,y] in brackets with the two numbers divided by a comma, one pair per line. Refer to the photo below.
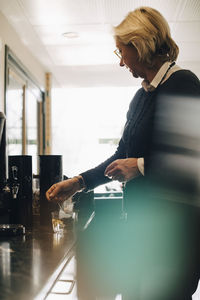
[62,190]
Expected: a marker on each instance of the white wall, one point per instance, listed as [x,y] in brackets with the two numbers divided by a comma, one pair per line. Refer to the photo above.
[9,37]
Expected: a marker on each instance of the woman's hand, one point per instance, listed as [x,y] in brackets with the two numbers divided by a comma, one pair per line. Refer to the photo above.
[123,169]
[62,190]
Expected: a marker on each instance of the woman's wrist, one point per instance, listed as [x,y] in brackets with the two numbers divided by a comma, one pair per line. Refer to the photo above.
[80,182]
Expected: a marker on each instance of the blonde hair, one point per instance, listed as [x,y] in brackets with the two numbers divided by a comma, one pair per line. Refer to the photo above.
[149,33]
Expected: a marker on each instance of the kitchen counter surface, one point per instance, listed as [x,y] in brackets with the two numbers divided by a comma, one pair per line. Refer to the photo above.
[27,262]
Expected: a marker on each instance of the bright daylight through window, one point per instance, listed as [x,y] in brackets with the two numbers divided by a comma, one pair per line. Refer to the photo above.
[87,124]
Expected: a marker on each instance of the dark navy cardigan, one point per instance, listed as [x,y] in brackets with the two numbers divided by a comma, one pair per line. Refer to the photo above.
[136,138]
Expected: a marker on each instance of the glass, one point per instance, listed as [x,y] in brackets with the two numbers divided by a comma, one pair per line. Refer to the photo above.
[66,210]
[57,223]
[118,53]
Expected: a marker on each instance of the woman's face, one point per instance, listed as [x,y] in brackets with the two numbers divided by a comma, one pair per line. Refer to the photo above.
[130,59]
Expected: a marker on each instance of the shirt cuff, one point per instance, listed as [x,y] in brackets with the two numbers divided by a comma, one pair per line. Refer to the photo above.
[140,164]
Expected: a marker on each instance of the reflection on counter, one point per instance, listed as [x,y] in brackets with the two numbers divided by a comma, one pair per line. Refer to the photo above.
[65,286]
[5,259]
[27,262]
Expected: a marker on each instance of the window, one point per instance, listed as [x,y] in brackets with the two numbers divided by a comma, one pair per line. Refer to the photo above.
[87,124]
[23,107]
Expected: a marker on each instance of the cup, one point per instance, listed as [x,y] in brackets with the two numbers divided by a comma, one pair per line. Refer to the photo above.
[57,224]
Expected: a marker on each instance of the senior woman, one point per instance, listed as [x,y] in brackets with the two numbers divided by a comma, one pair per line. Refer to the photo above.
[145,46]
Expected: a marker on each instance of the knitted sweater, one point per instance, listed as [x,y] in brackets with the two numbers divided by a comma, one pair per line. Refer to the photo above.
[136,138]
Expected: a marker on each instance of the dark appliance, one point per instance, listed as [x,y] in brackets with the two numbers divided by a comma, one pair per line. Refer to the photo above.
[2,151]
[4,190]
[20,182]
[2,120]
[50,173]
[11,230]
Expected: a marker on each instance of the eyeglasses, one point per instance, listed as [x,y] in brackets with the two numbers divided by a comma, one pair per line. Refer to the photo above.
[118,53]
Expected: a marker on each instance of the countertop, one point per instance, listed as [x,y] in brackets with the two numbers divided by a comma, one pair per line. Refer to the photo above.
[27,262]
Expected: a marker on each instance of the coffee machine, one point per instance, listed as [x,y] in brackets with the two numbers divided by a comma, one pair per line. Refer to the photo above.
[16,191]
[20,183]
[4,197]
[2,151]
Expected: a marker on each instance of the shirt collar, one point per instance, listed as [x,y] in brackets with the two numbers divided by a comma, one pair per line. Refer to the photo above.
[149,87]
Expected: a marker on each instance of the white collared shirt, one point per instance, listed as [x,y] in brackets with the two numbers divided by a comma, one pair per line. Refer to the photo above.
[149,87]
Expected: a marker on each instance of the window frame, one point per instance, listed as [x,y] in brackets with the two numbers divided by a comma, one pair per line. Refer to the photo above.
[13,64]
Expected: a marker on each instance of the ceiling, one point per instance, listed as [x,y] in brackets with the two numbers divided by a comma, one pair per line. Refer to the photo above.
[88,59]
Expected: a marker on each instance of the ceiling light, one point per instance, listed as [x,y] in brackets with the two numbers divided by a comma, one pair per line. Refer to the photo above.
[70,34]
